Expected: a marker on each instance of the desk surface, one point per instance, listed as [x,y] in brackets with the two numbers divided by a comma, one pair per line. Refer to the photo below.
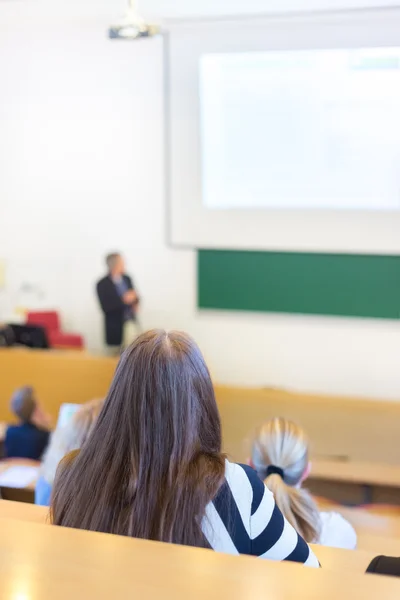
[38,562]
[330,558]
[335,559]
[24,511]
[15,462]
[362,473]
[379,544]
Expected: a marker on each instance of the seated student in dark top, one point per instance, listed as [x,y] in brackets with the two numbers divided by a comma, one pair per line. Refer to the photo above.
[153,468]
[29,438]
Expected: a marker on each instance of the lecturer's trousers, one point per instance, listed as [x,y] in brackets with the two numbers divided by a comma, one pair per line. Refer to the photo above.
[131,330]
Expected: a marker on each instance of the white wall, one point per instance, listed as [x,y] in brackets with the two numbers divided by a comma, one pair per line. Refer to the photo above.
[195,8]
[81,172]
[50,10]
[82,169]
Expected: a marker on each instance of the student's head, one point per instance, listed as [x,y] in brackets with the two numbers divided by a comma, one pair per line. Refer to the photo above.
[115,263]
[280,456]
[153,461]
[70,437]
[24,404]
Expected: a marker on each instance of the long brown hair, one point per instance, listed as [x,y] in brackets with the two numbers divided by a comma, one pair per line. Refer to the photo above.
[153,461]
[283,444]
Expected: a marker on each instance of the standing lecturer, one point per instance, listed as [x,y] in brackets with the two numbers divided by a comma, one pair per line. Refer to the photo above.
[119,302]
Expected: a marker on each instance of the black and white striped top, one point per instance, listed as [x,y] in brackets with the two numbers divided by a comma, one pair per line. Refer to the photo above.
[244,519]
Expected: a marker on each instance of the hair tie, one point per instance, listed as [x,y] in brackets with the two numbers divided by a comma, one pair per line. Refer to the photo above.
[272,470]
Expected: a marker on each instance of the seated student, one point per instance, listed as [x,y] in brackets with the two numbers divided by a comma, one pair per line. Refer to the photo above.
[65,438]
[30,437]
[280,456]
[153,467]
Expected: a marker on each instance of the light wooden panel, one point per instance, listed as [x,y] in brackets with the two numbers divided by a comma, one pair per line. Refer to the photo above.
[339,428]
[335,559]
[357,430]
[24,512]
[57,376]
[330,558]
[39,562]
[379,544]
[370,473]
[370,544]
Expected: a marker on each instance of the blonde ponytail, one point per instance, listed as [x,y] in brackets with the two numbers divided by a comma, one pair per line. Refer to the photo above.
[283,447]
[297,506]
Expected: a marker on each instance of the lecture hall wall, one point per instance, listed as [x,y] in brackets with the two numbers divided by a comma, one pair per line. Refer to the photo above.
[81,172]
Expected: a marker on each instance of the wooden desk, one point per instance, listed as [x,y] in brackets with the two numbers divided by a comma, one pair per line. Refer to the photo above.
[26,494]
[335,559]
[389,546]
[337,426]
[368,475]
[364,473]
[57,376]
[330,558]
[38,562]
[24,512]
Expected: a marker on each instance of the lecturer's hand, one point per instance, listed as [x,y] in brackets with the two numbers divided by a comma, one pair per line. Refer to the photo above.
[129,297]
[41,419]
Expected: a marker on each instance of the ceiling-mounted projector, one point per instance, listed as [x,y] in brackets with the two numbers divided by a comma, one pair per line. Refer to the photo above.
[132,26]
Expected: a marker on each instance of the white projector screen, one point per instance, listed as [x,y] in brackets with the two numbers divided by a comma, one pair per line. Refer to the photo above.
[308,129]
[284,134]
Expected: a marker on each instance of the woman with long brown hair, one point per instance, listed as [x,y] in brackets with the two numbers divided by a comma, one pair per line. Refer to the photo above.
[153,467]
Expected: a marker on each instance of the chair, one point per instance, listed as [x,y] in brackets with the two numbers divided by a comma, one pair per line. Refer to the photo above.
[58,339]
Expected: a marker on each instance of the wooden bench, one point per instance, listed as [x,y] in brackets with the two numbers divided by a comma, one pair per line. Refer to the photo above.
[52,562]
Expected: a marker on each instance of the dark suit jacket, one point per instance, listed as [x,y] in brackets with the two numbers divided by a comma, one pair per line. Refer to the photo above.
[113,309]
[25,441]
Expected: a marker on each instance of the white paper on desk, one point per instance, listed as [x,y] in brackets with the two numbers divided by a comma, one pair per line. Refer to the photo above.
[18,476]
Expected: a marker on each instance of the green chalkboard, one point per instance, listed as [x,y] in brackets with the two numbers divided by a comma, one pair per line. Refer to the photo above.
[307,283]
